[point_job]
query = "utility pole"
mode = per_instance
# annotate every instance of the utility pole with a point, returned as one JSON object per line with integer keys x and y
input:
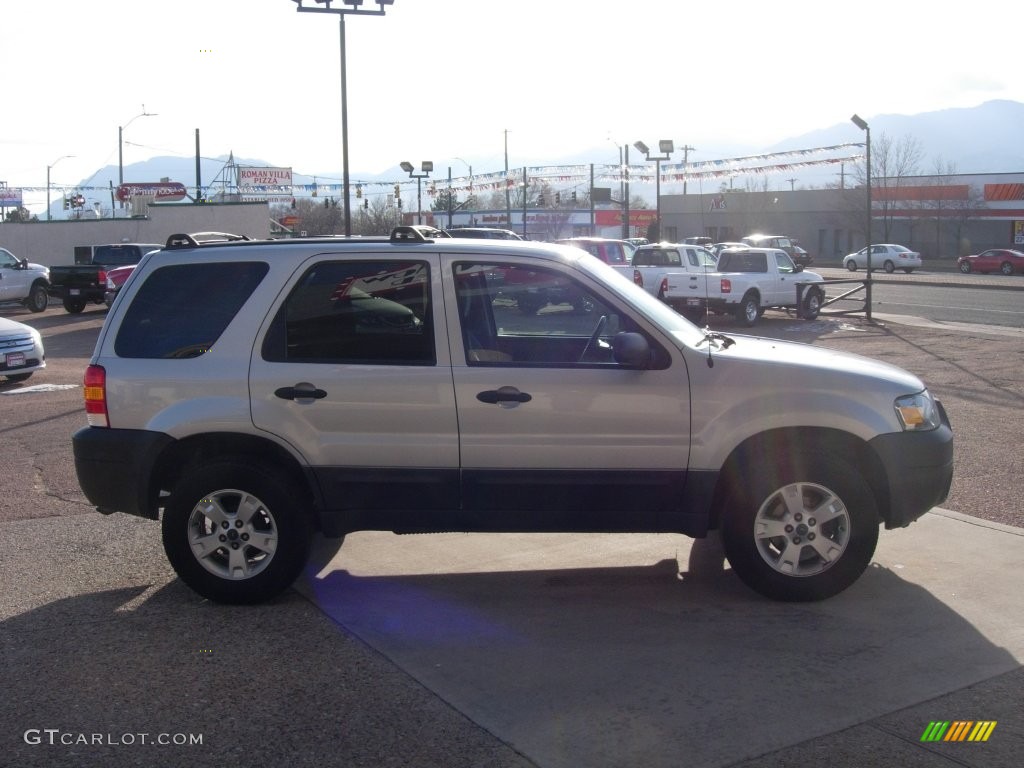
{"x": 687, "y": 149}
{"x": 792, "y": 183}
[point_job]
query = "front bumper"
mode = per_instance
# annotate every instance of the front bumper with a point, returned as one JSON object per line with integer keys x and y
{"x": 919, "y": 471}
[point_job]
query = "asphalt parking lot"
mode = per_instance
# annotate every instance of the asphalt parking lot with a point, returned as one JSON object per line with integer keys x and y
{"x": 518, "y": 650}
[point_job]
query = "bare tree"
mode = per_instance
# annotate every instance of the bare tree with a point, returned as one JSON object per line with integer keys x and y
{"x": 891, "y": 163}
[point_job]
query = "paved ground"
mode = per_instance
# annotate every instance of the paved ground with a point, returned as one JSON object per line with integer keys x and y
{"x": 458, "y": 650}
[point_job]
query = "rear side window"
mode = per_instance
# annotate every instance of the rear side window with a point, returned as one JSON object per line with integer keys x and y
{"x": 356, "y": 312}
{"x": 182, "y": 309}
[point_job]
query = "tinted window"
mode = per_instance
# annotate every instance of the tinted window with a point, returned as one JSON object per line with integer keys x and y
{"x": 181, "y": 310}
{"x": 518, "y": 316}
{"x": 742, "y": 261}
{"x": 356, "y": 312}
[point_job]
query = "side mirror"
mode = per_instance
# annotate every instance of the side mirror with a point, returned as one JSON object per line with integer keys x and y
{"x": 24, "y": 263}
{"x": 798, "y": 267}
{"x": 631, "y": 350}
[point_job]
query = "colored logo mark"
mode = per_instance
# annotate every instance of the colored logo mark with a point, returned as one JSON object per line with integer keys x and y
{"x": 958, "y": 730}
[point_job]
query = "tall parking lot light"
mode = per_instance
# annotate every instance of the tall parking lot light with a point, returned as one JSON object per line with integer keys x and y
{"x": 344, "y": 8}
{"x": 120, "y": 144}
{"x": 860, "y": 123}
{"x": 427, "y": 166}
{"x": 666, "y": 147}
{"x": 48, "y": 215}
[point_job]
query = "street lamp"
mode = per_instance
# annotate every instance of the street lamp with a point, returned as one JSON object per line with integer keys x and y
{"x": 353, "y": 8}
{"x": 49, "y": 216}
{"x": 120, "y": 142}
{"x": 427, "y": 166}
{"x": 860, "y": 123}
{"x": 666, "y": 147}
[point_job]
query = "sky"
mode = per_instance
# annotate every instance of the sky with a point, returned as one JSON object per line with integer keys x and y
{"x": 459, "y": 81}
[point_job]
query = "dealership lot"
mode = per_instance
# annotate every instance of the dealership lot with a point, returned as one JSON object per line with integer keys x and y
{"x": 550, "y": 650}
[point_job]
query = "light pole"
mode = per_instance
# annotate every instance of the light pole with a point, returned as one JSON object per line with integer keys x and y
{"x": 120, "y": 142}
{"x": 353, "y": 7}
{"x": 469, "y": 195}
{"x": 427, "y": 166}
{"x": 49, "y": 217}
{"x": 860, "y": 123}
{"x": 666, "y": 147}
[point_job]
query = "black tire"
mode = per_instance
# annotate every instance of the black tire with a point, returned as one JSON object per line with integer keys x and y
{"x": 889, "y": 267}
{"x": 1006, "y": 268}
{"x": 851, "y": 265}
{"x": 965, "y": 267}
{"x": 255, "y": 525}
{"x": 74, "y": 306}
{"x": 748, "y": 310}
{"x": 761, "y": 528}
{"x": 812, "y": 305}
{"x": 37, "y": 299}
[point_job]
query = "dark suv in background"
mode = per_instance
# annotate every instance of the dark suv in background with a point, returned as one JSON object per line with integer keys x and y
{"x": 487, "y": 233}
{"x": 783, "y": 243}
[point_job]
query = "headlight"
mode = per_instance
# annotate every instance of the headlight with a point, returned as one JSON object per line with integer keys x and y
{"x": 918, "y": 413}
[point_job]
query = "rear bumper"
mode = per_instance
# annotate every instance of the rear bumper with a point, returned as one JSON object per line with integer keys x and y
{"x": 115, "y": 468}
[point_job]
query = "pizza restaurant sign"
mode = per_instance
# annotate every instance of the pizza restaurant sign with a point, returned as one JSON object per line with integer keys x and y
{"x": 264, "y": 177}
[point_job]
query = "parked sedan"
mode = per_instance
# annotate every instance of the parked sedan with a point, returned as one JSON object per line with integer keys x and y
{"x": 21, "y": 350}
{"x": 1003, "y": 260}
{"x": 887, "y": 256}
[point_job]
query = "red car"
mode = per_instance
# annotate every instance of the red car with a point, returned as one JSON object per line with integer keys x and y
{"x": 1003, "y": 260}
{"x": 115, "y": 279}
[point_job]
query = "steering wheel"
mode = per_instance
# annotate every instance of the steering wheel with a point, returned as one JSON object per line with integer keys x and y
{"x": 592, "y": 341}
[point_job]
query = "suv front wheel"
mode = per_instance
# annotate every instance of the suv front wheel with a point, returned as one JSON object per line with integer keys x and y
{"x": 800, "y": 530}
{"x": 237, "y": 531}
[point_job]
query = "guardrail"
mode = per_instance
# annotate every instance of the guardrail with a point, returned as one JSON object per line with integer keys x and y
{"x": 848, "y": 296}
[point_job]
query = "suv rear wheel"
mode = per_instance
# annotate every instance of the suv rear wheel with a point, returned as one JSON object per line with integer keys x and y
{"x": 237, "y": 531}
{"x": 801, "y": 530}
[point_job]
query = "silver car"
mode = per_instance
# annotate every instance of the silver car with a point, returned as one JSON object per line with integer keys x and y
{"x": 887, "y": 256}
{"x": 21, "y": 350}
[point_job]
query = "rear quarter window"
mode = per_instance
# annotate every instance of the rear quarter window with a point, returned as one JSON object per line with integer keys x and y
{"x": 182, "y": 309}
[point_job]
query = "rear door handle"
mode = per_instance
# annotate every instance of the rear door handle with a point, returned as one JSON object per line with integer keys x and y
{"x": 301, "y": 391}
{"x": 503, "y": 395}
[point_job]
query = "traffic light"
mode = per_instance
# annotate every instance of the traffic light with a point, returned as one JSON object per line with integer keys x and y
{"x": 366, "y": 203}
{"x": 327, "y": 203}
{"x": 359, "y": 190}
{"x": 540, "y": 200}
{"x": 558, "y": 198}
{"x": 67, "y": 203}
{"x": 398, "y": 192}
{"x": 574, "y": 195}
{"x": 293, "y": 203}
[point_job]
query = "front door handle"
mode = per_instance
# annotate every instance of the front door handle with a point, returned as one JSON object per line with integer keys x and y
{"x": 302, "y": 391}
{"x": 503, "y": 395}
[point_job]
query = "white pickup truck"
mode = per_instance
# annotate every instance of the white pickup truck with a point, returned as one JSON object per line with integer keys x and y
{"x": 23, "y": 282}
{"x": 652, "y": 265}
{"x": 747, "y": 281}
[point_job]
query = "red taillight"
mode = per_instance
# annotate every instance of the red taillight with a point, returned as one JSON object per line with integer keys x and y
{"x": 101, "y": 276}
{"x": 638, "y": 278}
{"x": 95, "y": 386}
{"x": 726, "y": 285}
{"x": 663, "y": 288}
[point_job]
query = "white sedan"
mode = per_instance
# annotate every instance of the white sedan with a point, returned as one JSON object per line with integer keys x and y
{"x": 885, "y": 256}
{"x": 21, "y": 350}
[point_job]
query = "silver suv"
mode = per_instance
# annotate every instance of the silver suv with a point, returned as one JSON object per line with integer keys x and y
{"x": 254, "y": 393}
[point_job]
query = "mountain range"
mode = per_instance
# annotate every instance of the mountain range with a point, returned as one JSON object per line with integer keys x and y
{"x": 981, "y": 139}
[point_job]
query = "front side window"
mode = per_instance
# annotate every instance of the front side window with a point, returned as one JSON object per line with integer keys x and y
{"x": 356, "y": 312}
{"x": 784, "y": 263}
{"x": 525, "y": 316}
{"x": 182, "y": 309}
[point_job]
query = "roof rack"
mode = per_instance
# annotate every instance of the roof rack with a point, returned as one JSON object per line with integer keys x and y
{"x": 420, "y": 233}
{"x": 198, "y": 238}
